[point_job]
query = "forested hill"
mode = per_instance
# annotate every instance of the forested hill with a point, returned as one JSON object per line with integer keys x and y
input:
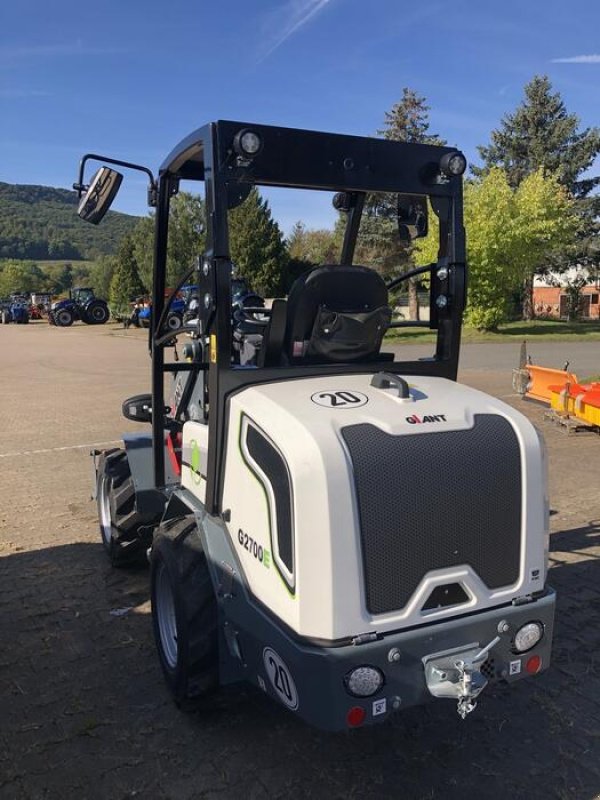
{"x": 40, "y": 222}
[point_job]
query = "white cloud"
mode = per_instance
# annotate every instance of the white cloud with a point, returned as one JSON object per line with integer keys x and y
{"x": 14, "y": 53}
{"x": 593, "y": 59}
{"x": 288, "y": 20}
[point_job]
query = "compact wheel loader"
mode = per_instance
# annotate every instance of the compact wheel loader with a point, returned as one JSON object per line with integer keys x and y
{"x": 350, "y": 532}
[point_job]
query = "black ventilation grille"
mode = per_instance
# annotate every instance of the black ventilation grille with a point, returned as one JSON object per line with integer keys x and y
{"x": 434, "y": 500}
{"x": 275, "y": 469}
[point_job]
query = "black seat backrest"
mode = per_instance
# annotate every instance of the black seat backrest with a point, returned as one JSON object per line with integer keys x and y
{"x": 336, "y": 313}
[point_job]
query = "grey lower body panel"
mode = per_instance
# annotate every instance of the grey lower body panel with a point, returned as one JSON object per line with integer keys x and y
{"x": 249, "y": 636}
{"x": 318, "y": 672}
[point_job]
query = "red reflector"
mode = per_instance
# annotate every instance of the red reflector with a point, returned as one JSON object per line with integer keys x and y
{"x": 533, "y": 665}
{"x": 356, "y": 716}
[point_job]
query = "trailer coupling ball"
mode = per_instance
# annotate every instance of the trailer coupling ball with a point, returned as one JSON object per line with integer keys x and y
{"x": 456, "y": 674}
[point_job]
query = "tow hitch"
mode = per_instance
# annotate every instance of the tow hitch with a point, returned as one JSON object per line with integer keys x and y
{"x": 457, "y": 674}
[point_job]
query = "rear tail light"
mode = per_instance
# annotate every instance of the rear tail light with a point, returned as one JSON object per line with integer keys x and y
{"x": 356, "y": 716}
{"x": 533, "y": 665}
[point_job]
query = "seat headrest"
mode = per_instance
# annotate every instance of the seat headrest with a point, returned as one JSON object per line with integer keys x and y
{"x": 341, "y": 288}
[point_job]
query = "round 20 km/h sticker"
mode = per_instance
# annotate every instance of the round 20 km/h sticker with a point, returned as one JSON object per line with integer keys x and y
{"x": 280, "y": 678}
{"x": 345, "y": 398}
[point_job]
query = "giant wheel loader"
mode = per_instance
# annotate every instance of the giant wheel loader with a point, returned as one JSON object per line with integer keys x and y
{"x": 351, "y": 532}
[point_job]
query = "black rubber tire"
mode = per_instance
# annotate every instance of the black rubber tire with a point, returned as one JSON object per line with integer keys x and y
{"x": 174, "y": 321}
{"x": 178, "y": 565}
{"x": 63, "y": 318}
{"x": 97, "y": 313}
{"x": 120, "y": 524}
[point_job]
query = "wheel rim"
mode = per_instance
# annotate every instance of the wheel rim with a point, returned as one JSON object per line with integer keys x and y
{"x": 104, "y": 507}
{"x": 173, "y": 322}
{"x": 165, "y": 615}
{"x": 63, "y": 317}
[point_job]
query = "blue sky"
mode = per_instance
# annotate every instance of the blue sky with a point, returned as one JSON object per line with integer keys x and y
{"x": 130, "y": 78}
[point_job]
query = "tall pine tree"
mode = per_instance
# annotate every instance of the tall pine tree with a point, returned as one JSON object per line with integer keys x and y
{"x": 407, "y": 121}
{"x": 540, "y": 133}
{"x": 257, "y": 246}
{"x": 125, "y": 283}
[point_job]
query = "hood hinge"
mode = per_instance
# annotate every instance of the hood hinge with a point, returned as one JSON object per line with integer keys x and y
{"x": 363, "y": 638}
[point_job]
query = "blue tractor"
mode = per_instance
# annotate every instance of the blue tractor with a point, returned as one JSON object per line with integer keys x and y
{"x": 81, "y": 304}
{"x": 15, "y": 310}
{"x": 177, "y": 312}
{"x": 174, "y": 319}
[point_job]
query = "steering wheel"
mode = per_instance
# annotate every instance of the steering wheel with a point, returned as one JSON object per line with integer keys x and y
{"x": 247, "y": 311}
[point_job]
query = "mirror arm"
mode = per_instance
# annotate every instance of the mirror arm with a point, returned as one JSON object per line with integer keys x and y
{"x": 80, "y": 186}
{"x": 410, "y": 274}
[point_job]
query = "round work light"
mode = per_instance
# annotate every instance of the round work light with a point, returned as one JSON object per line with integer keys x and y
{"x": 453, "y": 164}
{"x": 363, "y": 681}
{"x": 247, "y": 143}
{"x": 528, "y": 636}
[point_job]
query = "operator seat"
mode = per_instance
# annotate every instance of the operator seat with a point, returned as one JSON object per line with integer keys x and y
{"x": 334, "y": 313}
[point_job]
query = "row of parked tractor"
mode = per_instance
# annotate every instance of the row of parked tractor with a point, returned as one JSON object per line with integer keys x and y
{"x": 184, "y": 306}
{"x": 82, "y": 304}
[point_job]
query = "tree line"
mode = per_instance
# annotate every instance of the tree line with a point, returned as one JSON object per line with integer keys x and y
{"x": 529, "y": 207}
{"x": 39, "y": 222}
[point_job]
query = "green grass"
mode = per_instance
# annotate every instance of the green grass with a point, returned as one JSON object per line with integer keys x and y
{"x": 538, "y": 330}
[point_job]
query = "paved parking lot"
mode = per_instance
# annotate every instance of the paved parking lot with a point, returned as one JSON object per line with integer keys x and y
{"x": 83, "y": 709}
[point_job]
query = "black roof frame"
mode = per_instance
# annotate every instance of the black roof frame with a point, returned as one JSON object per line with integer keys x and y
{"x": 298, "y": 159}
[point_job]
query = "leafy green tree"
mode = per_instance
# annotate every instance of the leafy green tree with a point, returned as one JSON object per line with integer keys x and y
{"x": 491, "y": 231}
{"x": 309, "y": 248}
{"x": 312, "y": 247}
{"x": 59, "y": 277}
{"x": 508, "y": 232}
{"x": 125, "y": 283}
{"x": 19, "y": 276}
{"x": 101, "y": 274}
{"x": 257, "y": 246}
{"x": 545, "y": 223}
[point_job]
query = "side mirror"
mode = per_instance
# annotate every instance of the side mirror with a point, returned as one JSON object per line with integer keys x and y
{"x": 412, "y": 216}
{"x": 138, "y": 408}
{"x": 99, "y": 195}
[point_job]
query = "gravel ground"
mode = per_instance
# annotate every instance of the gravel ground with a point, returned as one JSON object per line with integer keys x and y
{"x": 83, "y": 709}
